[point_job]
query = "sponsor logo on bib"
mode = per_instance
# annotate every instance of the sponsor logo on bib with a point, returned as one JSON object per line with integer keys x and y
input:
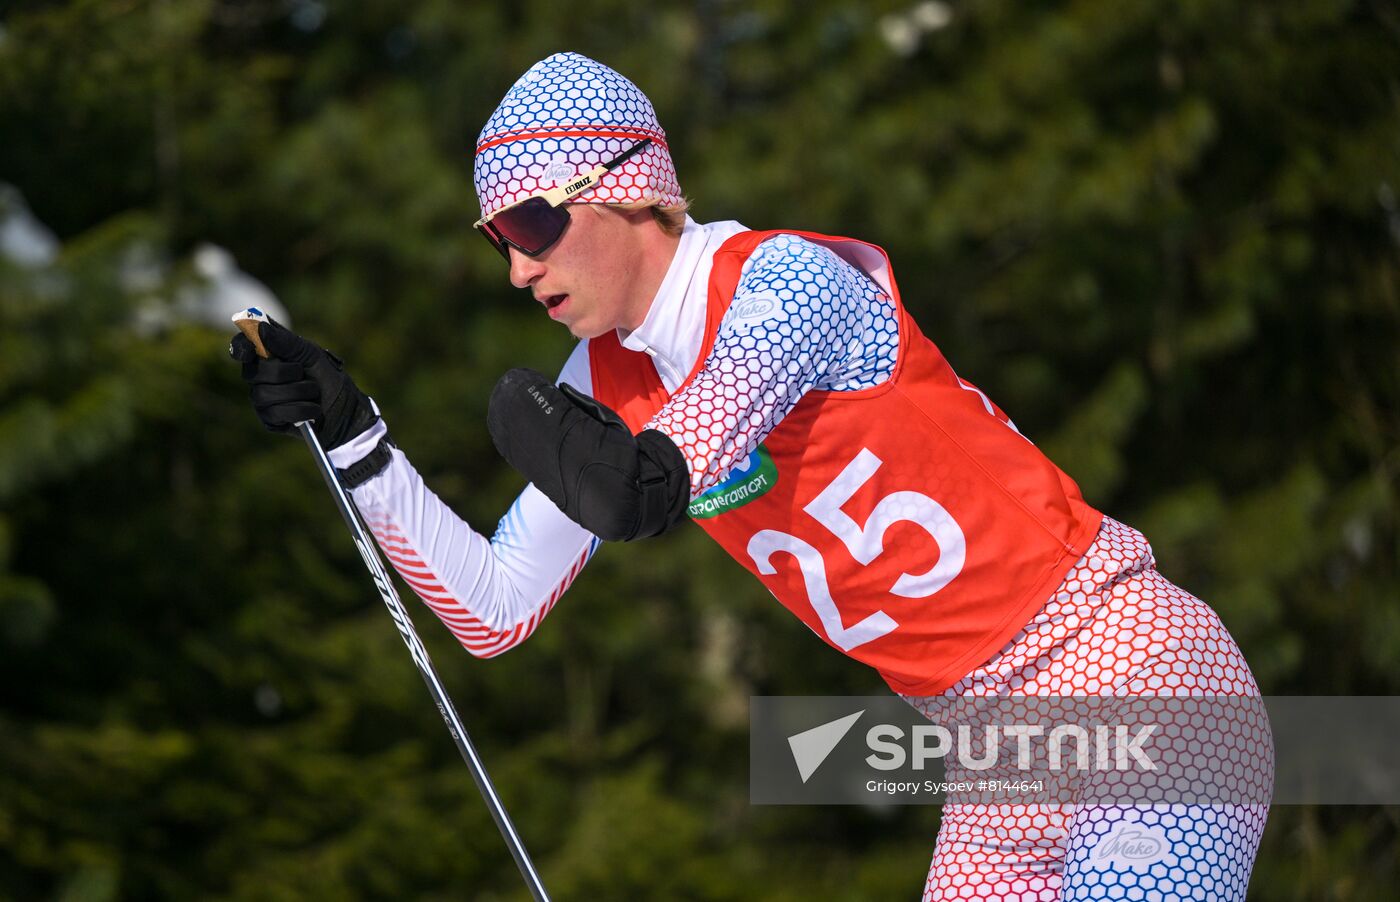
{"x": 755, "y": 477}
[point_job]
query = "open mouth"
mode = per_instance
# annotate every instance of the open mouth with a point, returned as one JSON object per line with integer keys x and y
{"x": 553, "y": 300}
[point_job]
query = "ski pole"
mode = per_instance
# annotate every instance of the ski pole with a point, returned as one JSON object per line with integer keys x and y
{"x": 247, "y": 321}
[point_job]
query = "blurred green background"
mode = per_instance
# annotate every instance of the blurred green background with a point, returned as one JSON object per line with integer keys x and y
{"x": 1164, "y": 236}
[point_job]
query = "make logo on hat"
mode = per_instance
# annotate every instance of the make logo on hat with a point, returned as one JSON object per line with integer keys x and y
{"x": 557, "y": 172}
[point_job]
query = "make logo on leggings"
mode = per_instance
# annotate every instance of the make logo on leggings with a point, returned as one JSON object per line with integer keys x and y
{"x": 1133, "y": 846}
{"x": 753, "y": 479}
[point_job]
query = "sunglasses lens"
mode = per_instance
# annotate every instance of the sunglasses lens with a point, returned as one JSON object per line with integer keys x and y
{"x": 490, "y": 235}
{"x": 531, "y": 226}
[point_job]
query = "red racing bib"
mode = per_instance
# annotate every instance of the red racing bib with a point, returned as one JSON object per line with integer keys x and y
{"x": 909, "y": 525}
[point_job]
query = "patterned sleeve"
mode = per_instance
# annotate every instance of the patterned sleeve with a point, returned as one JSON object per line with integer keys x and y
{"x": 491, "y": 594}
{"x": 801, "y": 319}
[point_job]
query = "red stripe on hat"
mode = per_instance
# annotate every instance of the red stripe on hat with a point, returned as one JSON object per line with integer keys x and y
{"x": 573, "y": 132}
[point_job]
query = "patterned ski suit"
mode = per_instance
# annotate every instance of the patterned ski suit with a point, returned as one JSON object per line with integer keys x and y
{"x": 895, "y": 510}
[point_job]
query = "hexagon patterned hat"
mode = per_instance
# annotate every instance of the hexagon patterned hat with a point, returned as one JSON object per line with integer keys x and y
{"x": 566, "y": 115}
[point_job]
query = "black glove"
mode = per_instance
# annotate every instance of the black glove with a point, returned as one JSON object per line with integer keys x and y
{"x": 300, "y": 381}
{"x": 583, "y": 457}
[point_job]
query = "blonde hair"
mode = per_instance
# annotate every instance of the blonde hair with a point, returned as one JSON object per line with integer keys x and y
{"x": 670, "y": 217}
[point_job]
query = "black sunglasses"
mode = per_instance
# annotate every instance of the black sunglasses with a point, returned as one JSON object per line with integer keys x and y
{"x": 532, "y": 225}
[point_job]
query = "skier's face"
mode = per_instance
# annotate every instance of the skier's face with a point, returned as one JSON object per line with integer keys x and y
{"x": 601, "y": 274}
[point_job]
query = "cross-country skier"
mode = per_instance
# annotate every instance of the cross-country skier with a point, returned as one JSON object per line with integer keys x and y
{"x": 773, "y": 387}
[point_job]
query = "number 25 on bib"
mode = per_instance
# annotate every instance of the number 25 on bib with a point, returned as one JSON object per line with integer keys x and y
{"x": 865, "y": 542}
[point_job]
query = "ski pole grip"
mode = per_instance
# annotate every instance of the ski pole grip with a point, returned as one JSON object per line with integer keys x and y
{"x": 247, "y": 323}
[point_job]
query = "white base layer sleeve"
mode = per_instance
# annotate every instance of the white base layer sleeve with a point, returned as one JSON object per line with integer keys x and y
{"x": 490, "y": 594}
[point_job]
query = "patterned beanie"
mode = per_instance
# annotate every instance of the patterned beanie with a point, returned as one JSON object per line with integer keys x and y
{"x": 565, "y": 116}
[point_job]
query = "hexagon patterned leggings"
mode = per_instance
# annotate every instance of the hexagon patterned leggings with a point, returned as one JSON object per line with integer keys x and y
{"x": 1115, "y": 628}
